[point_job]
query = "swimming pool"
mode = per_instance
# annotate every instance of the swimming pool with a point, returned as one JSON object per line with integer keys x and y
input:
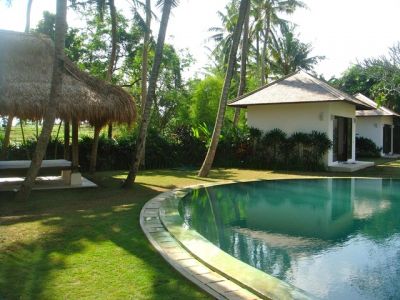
{"x": 334, "y": 238}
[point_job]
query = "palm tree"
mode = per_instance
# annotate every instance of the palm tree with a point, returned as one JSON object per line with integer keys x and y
{"x": 288, "y": 54}
{"x": 151, "y": 93}
{"x": 55, "y": 97}
{"x": 109, "y": 74}
{"x": 145, "y": 54}
{"x": 243, "y": 65}
{"x": 205, "y": 169}
{"x": 266, "y": 17}
{"x": 222, "y": 35}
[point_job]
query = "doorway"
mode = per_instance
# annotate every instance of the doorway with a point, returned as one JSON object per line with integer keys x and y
{"x": 342, "y": 138}
{"x": 387, "y": 139}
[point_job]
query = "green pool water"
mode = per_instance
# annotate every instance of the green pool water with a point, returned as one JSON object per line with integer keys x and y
{"x": 334, "y": 238}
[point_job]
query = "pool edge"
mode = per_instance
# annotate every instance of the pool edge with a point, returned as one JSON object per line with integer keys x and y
{"x": 166, "y": 236}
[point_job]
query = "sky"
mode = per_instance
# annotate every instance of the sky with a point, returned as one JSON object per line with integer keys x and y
{"x": 343, "y": 31}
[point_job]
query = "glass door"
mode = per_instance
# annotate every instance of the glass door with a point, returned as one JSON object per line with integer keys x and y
{"x": 342, "y": 138}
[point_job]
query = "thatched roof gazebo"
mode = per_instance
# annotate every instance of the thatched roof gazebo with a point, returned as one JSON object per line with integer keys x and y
{"x": 26, "y": 63}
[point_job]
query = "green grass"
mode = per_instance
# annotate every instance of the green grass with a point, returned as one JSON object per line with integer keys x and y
{"x": 86, "y": 244}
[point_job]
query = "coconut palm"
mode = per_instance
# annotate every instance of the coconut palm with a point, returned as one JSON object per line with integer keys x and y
{"x": 151, "y": 93}
{"x": 55, "y": 95}
{"x": 243, "y": 9}
{"x": 243, "y": 66}
{"x": 288, "y": 54}
{"x": 109, "y": 74}
{"x": 266, "y": 17}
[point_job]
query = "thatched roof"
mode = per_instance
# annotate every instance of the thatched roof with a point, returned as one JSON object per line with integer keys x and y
{"x": 299, "y": 87}
{"x": 26, "y": 62}
{"x": 378, "y": 111}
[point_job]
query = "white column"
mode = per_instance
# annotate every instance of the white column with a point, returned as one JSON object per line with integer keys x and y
{"x": 353, "y": 142}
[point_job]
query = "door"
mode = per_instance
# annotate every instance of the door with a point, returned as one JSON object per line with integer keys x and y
{"x": 387, "y": 139}
{"x": 342, "y": 138}
{"x": 396, "y": 139}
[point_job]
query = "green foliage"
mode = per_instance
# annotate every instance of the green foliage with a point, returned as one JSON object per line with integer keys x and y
{"x": 205, "y": 99}
{"x": 366, "y": 148}
{"x": 377, "y": 78}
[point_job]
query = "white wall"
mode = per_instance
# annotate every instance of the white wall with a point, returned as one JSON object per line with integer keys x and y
{"x": 372, "y": 128}
{"x": 301, "y": 117}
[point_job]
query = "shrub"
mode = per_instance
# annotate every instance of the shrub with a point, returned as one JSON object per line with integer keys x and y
{"x": 366, "y": 148}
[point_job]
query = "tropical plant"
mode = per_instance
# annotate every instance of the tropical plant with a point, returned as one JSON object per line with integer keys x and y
{"x": 243, "y": 9}
{"x": 138, "y": 154}
{"x": 289, "y": 54}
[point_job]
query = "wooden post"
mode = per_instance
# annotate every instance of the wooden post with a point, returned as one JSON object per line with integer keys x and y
{"x": 75, "y": 147}
{"x": 6, "y": 141}
{"x": 93, "y": 155}
{"x": 67, "y": 155}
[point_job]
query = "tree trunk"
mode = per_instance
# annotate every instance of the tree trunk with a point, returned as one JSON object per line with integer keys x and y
{"x": 28, "y": 16}
{"x": 93, "y": 155}
{"x": 130, "y": 179}
{"x": 113, "y": 54}
{"x": 6, "y": 140}
{"x": 75, "y": 145}
{"x": 264, "y": 50}
{"x": 67, "y": 155}
{"x": 55, "y": 96}
{"x": 243, "y": 66}
{"x": 208, "y": 161}
{"x": 145, "y": 55}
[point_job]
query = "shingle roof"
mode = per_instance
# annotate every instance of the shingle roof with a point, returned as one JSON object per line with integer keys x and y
{"x": 378, "y": 111}
{"x": 299, "y": 87}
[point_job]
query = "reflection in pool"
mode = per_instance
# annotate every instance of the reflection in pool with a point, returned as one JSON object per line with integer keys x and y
{"x": 334, "y": 238}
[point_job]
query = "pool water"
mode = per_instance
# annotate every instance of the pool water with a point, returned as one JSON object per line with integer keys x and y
{"x": 334, "y": 238}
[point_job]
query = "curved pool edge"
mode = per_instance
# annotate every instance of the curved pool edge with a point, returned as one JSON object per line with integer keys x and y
{"x": 215, "y": 271}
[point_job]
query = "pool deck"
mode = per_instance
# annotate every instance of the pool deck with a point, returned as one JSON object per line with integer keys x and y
{"x": 216, "y": 272}
{"x": 350, "y": 166}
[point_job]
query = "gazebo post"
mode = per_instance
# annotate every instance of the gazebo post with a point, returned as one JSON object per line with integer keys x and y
{"x": 76, "y": 177}
{"x": 93, "y": 155}
{"x": 67, "y": 155}
{"x": 6, "y": 141}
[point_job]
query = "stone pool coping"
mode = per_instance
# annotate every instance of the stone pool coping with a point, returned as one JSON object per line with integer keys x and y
{"x": 213, "y": 270}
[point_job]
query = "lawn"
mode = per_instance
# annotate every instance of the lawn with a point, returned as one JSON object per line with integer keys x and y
{"x": 85, "y": 244}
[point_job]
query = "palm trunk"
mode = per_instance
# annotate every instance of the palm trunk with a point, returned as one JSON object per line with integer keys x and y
{"x": 111, "y": 62}
{"x": 55, "y": 97}
{"x": 28, "y": 16}
{"x": 130, "y": 179}
{"x": 145, "y": 55}
{"x": 208, "y": 161}
{"x": 67, "y": 155}
{"x": 243, "y": 66}
{"x": 6, "y": 141}
{"x": 264, "y": 50}
{"x": 93, "y": 155}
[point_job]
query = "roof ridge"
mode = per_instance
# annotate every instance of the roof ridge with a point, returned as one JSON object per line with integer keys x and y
{"x": 262, "y": 87}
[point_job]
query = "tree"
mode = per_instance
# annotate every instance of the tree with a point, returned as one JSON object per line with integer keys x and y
{"x": 145, "y": 54}
{"x": 266, "y": 18}
{"x": 243, "y": 66}
{"x": 130, "y": 179}
{"x": 55, "y": 96}
{"x": 110, "y": 70}
{"x": 205, "y": 169}
{"x": 289, "y": 54}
